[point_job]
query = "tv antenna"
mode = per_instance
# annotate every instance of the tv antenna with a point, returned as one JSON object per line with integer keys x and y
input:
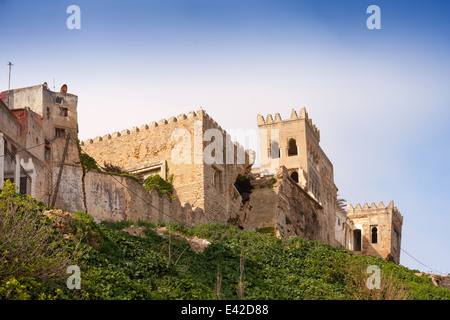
{"x": 9, "y": 79}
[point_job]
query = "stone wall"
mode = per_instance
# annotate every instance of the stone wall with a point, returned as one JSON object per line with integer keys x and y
{"x": 113, "y": 198}
{"x": 142, "y": 147}
{"x": 116, "y": 198}
{"x": 307, "y": 161}
{"x": 281, "y": 203}
{"x": 203, "y": 184}
{"x": 388, "y": 223}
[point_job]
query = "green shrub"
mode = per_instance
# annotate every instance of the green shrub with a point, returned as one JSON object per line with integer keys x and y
{"x": 32, "y": 252}
{"x": 122, "y": 266}
{"x": 159, "y": 184}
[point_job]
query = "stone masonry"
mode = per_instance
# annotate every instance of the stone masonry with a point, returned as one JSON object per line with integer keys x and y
{"x": 292, "y": 193}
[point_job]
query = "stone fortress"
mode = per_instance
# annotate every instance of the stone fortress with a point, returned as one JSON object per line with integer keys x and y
{"x": 292, "y": 193}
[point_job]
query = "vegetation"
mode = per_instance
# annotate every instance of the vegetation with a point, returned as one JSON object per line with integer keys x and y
{"x": 118, "y": 171}
{"x": 33, "y": 256}
{"x": 159, "y": 184}
{"x": 87, "y": 162}
{"x": 237, "y": 264}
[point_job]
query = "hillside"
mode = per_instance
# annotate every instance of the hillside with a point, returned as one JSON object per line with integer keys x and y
{"x": 37, "y": 248}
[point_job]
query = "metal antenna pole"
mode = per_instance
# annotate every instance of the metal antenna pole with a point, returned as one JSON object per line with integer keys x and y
{"x": 9, "y": 80}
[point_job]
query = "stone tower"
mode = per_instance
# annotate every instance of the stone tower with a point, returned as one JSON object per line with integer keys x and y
{"x": 377, "y": 230}
{"x": 294, "y": 143}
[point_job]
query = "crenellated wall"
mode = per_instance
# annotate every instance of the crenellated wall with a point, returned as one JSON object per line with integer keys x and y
{"x": 302, "y": 116}
{"x": 388, "y": 223}
{"x": 298, "y": 141}
{"x": 206, "y": 185}
{"x": 152, "y": 143}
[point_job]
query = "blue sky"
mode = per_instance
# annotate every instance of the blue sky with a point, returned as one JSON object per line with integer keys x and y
{"x": 380, "y": 97}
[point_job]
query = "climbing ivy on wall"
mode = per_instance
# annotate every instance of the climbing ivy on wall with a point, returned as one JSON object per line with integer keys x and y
{"x": 86, "y": 161}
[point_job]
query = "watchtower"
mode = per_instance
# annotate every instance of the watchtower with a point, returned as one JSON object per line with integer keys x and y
{"x": 294, "y": 143}
{"x": 377, "y": 230}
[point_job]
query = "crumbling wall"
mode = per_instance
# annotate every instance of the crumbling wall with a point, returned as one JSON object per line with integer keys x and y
{"x": 222, "y": 200}
{"x": 280, "y": 203}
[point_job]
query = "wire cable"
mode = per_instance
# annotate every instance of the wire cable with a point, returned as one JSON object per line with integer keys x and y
{"x": 429, "y": 268}
{"x": 35, "y": 146}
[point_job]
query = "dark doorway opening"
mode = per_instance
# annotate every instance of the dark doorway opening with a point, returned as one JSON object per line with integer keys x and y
{"x": 294, "y": 176}
{"x": 357, "y": 240}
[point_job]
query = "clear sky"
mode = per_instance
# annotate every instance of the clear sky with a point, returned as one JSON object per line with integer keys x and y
{"x": 379, "y": 97}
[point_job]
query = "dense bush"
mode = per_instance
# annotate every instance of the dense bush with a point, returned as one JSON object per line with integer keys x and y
{"x": 237, "y": 263}
{"x": 33, "y": 256}
{"x": 159, "y": 184}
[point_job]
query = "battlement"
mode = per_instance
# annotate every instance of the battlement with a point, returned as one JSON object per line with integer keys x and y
{"x": 200, "y": 115}
{"x": 303, "y": 115}
{"x": 373, "y": 209}
{"x": 152, "y": 125}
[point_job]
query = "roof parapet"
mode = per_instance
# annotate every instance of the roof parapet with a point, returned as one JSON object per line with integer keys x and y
{"x": 277, "y": 119}
{"x": 143, "y": 127}
{"x": 373, "y": 208}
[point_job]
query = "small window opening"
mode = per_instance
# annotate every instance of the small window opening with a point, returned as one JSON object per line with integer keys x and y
{"x": 374, "y": 235}
{"x": 60, "y": 133}
{"x": 63, "y": 112}
{"x": 292, "y": 148}
{"x": 59, "y": 100}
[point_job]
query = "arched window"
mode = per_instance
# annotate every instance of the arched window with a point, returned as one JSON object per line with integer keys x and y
{"x": 374, "y": 235}
{"x": 292, "y": 148}
{"x": 294, "y": 176}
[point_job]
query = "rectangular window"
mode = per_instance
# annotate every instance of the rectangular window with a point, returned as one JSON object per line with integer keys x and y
{"x": 60, "y": 133}
{"x": 63, "y": 112}
{"x": 23, "y": 185}
{"x": 59, "y": 100}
